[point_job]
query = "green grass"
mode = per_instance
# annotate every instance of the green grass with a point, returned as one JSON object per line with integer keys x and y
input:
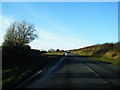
{"x": 55, "y": 53}
{"x": 7, "y": 79}
{"x": 6, "y": 71}
{"x": 10, "y": 74}
{"x": 108, "y": 60}
{"x": 85, "y": 53}
{"x": 14, "y": 74}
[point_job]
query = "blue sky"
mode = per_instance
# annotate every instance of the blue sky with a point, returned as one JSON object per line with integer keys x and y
{"x": 65, "y": 25}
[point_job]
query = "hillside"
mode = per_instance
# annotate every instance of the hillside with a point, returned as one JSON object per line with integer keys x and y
{"x": 108, "y": 51}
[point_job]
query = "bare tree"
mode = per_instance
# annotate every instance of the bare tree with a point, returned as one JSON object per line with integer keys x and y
{"x": 19, "y": 34}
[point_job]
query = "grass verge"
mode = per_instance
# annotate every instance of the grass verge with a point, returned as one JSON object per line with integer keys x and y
{"x": 13, "y": 74}
{"x": 56, "y": 53}
{"x": 107, "y": 60}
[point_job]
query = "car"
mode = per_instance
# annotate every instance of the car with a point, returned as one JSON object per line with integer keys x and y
{"x": 67, "y": 53}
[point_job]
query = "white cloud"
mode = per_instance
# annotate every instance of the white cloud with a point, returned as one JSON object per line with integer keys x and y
{"x": 48, "y": 40}
{"x": 4, "y": 24}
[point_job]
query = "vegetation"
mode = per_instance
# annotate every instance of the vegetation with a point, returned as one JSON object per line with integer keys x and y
{"x": 51, "y": 50}
{"x": 15, "y": 73}
{"x": 55, "y": 53}
{"x": 108, "y": 52}
{"x": 107, "y": 60}
{"x": 19, "y": 61}
{"x": 18, "y": 35}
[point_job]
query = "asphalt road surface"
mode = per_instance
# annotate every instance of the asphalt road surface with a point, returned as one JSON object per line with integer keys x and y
{"x": 78, "y": 72}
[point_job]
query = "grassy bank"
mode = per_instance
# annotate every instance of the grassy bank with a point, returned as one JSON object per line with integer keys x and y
{"x": 55, "y": 53}
{"x": 107, "y": 60}
{"x": 16, "y": 72}
{"x": 108, "y": 52}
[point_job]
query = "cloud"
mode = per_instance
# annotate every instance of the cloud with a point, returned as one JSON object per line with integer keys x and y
{"x": 48, "y": 40}
{"x": 4, "y": 24}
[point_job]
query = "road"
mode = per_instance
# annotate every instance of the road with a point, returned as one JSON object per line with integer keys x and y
{"x": 78, "y": 72}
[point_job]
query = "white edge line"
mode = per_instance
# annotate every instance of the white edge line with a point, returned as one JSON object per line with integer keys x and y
{"x": 36, "y": 74}
{"x": 29, "y": 78}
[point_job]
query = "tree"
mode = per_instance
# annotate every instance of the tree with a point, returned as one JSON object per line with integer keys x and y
{"x": 19, "y": 34}
{"x": 57, "y": 50}
{"x": 51, "y": 50}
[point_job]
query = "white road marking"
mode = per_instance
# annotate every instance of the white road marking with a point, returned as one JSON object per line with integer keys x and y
{"x": 47, "y": 74}
{"x": 92, "y": 71}
{"x": 29, "y": 79}
{"x": 105, "y": 81}
{"x": 40, "y": 72}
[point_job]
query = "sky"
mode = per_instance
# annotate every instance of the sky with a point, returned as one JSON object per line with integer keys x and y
{"x": 64, "y": 25}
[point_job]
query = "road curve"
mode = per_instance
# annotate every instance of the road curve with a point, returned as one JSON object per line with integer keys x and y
{"x": 78, "y": 72}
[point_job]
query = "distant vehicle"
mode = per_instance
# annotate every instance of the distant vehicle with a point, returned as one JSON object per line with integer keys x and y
{"x": 67, "y": 53}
